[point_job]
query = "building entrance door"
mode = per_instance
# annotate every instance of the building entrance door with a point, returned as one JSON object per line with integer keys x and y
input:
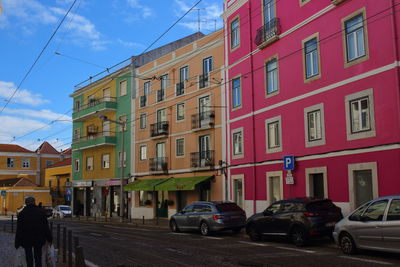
{"x": 362, "y": 186}
{"x": 162, "y": 204}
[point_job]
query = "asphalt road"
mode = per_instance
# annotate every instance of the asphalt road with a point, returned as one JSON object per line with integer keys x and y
{"x": 117, "y": 245}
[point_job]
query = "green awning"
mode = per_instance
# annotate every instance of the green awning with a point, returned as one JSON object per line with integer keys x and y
{"x": 143, "y": 185}
{"x": 181, "y": 183}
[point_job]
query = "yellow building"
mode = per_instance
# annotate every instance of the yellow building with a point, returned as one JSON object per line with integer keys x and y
{"x": 178, "y": 130}
{"x": 58, "y": 178}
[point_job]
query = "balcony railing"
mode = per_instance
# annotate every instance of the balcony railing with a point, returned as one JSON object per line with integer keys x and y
{"x": 143, "y": 101}
{"x": 94, "y": 139}
{"x": 203, "y": 120}
{"x": 180, "y": 88}
{"x": 159, "y": 128}
{"x": 267, "y": 33}
{"x": 202, "y": 159}
{"x": 159, "y": 164}
{"x": 95, "y": 108}
{"x": 204, "y": 81}
{"x": 95, "y": 102}
{"x": 160, "y": 95}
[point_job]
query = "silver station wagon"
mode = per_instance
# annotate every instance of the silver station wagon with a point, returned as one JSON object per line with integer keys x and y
{"x": 374, "y": 226}
{"x": 209, "y": 216}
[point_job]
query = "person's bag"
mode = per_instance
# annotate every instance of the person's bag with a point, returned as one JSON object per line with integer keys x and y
{"x": 51, "y": 258}
{"x": 20, "y": 260}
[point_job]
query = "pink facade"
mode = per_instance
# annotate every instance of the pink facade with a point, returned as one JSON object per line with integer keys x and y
{"x": 341, "y": 123}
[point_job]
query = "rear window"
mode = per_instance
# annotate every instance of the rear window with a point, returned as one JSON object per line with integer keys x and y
{"x": 228, "y": 207}
{"x": 65, "y": 208}
{"x": 321, "y": 205}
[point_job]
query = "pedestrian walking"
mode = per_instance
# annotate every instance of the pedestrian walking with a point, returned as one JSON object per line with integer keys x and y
{"x": 32, "y": 232}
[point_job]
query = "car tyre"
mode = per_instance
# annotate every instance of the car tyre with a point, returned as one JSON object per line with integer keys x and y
{"x": 299, "y": 236}
{"x": 173, "y": 226}
{"x": 346, "y": 244}
{"x": 252, "y": 233}
{"x": 204, "y": 229}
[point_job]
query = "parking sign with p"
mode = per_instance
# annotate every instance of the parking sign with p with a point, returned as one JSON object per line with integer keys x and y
{"x": 288, "y": 163}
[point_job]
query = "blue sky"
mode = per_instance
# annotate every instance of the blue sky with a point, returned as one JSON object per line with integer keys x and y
{"x": 102, "y": 33}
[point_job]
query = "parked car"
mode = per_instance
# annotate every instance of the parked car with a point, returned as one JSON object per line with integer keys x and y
{"x": 375, "y": 225}
{"x": 209, "y": 216}
{"x": 62, "y": 211}
{"x": 299, "y": 218}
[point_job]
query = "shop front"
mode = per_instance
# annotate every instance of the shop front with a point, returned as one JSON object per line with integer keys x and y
{"x": 82, "y": 197}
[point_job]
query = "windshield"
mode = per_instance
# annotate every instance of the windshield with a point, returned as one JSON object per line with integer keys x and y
{"x": 65, "y": 208}
{"x": 321, "y": 205}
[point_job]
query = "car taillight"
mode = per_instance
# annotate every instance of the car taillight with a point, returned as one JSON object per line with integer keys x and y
{"x": 217, "y": 217}
{"x": 310, "y": 214}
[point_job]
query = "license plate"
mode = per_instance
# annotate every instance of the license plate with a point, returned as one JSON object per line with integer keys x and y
{"x": 329, "y": 224}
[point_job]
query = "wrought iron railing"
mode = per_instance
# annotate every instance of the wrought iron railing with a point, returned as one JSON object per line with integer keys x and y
{"x": 202, "y": 159}
{"x": 203, "y": 120}
{"x": 267, "y": 32}
{"x": 160, "y": 95}
{"x": 180, "y": 88}
{"x": 92, "y": 135}
{"x": 95, "y": 102}
{"x": 158, "y": 164}
{"x": 204, "y": 81}
{"x": 159, "y": 128}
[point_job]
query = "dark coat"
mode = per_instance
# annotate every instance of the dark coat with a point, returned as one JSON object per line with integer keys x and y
{"x": 32, "y": 227}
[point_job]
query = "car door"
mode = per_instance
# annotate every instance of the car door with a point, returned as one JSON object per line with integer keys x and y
{"x": 284, "y": 218}
{"x": 391, "y": 227}
{"x": 182, "y": 220}
{"x": 267, "y": 223}
{"x": 369, "y": 230}
{"x": 194, "y": 217}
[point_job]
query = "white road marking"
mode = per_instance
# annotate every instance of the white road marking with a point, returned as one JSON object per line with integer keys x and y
{"x": 254, "y": 244}
{"x": 366, "y": 260}
{"x": 127, "y": 228}
{"x": 212, "y": 237}
{"x": 178, "y": 234}
{"x": 297, "y": 249}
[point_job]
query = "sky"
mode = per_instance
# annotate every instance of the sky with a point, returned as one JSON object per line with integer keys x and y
{"x": 94, "y": 36}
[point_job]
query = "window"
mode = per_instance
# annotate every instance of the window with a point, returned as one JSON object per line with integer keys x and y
{"x": 394, "y": 211}
{"x": 164, "y": 81}
{"x": 122, "y": 118}
{"x": 363, "y": 183}
{"x": 77, "y": 105}
{"x": 146, "y": 88}
{"x": 77, "y": 134}
{"x": 184, "y": 74}
{"x": 375, "y": 211}
{"x": 356, "y": 216}
{"x": 272, "y": 76}
{"x": 49, "y": 163}
{"x": 122, "y": 88}
{"x": 143, "y": 121}
{"x": 207, "y": 65}
{"x": 91, "y": 101}
{"x": 180, "y": 147}
{"x": 76, "y": 165}
{"x": 274, "y": 185}
{"x": 269, "y": 12}
{"x": 235, "y": 37}
{"x": 316, "y": 182}
{"x": 314, "y": 125}
{"x": 236, "y": 93}
{"x": 10, "y": 162}
{"x": 26, "y": 163}
{"x": 238, "y": 192}
{"x": 143, "y": 152}
{"x": 360, "y": 120}
{"x": 355, "y": 39}
{"x": 274, "y": 208}
{"x": 311, "y": 58}
{"x": 120, "y": 158}
{"x": 237, "y": 141}
{"x": 273, "y": 135}
{"x": 89, "y": 163}
{"x": 180, "y": 111}
{"x": 145, "y": 198}
{"x": 105, "y": 161}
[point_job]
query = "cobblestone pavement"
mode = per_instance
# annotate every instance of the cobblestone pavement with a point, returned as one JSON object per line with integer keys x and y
{"x": 7, "y": 249}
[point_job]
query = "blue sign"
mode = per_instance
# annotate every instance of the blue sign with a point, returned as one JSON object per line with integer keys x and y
{"x": 288, "y": 163}
{"x": 3, "y": 193}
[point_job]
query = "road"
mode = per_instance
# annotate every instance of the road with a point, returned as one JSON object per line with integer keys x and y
{"x": 117, "y": 245}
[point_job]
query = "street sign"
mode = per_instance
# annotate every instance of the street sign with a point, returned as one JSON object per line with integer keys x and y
{"x": 3, "y": 193}
{"x": 289, "y": 178}
{"x": 288, "y": 163}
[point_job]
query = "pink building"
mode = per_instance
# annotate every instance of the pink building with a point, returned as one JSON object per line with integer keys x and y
{"x": 317, "y": 80}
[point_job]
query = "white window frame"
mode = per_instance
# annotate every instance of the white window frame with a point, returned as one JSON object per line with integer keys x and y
{"x": 272, "y": 74}
{"x": 183, "y": 147}
{"x": 122, "y": 118}
{"x": 236, "y": 93}
{"x": 359, "y": 167}
{"x": 10, "y": 162}
{"x": 241, "y": 145}
{"x": 307, "y": 111}
{"x": 143, "y": 121}
{"x": 123, "y": 87}
{"x": 178, "y": 119}
{"x": 364, "y": 133}
{"x": 143, "y": 152}
{"x": 235, "y": 33}
{"x": 268, "y": 191}
{"x": 77, "y": 134}
{"x": 312, "y": 57}
{"x": 309, "y": 183}
{"x": 26, "y": 163}
{"x": 119, "y": 159}
{"x": 105, "y": 161}
{"x": 278, "y": 148}
{"x": 90, "y": 163}
{"x": 234, "y": 196}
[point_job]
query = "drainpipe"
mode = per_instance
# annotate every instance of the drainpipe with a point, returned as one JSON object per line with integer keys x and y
{"x": 252, "y": 109}
{"x": 396, "y": 53}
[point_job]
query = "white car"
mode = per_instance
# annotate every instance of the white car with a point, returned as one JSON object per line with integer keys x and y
{"x": 62, "y": 211}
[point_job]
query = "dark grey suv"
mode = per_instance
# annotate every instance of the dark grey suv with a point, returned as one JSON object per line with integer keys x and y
{"x": 209, "y": 217}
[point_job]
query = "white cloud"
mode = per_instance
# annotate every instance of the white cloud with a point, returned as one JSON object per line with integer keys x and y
{"x": 145, "y": 10}
{"x": 18, "y": 126}
{"x": 41, "y": 114}
{"x": 22, "y": 96}
{"x": 129, "y": 44}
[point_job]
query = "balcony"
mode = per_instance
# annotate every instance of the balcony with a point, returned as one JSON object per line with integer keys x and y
{"x": 159, "y": 164}
{"x": 143, "y": 101}
{"x": 202, "y": 159}
{"x": 159, "y": 129}
{"x": 94, "y": 108}
{"x": 268, "y": 33}
{"x": 203, "y": 120}
{"x": 204, "y": 81}
{"x": 160, "y": 95}
{"x": 94, "y": 140}
{"x": 180, "y": 88}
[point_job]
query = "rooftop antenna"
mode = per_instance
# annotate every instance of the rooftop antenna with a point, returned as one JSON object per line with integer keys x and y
{"x": 198, "y": 17}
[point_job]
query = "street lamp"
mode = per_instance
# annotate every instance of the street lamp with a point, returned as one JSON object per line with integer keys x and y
{"x": 121, "y": 198}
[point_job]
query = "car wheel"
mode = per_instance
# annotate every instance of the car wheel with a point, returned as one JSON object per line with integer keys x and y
{"x": 173, "y": 226}
{"x": 299, "y": 236}
{"x": 252, "y": 233}
{"x": 204, "y": 229}
{"x": 237, "y": 230}
{"x": 347, "y": 244}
